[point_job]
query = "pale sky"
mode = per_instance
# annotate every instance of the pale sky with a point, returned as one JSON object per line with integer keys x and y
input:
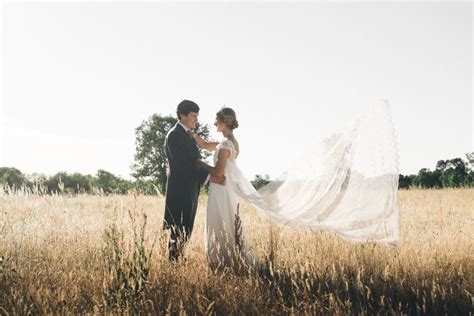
{"x": 78, "y": 78}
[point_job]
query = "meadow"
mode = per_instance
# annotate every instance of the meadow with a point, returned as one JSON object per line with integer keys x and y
{"x": 107, "y": 254}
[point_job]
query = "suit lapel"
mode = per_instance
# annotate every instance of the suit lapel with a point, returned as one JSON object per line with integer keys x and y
{"x": 180, "y": 128}
{"x": 190, "y": 141}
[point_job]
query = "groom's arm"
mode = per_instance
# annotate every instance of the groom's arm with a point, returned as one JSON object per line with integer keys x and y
{"x": 219, "y": 179}
{"x": 203, "y": 176}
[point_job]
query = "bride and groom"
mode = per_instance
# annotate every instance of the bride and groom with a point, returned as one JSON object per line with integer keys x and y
{"x": 186, "y": 174}
{"x": 348, "y": 184}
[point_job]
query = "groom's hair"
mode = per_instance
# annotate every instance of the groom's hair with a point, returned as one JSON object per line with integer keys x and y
{"x": 185, "y": 107}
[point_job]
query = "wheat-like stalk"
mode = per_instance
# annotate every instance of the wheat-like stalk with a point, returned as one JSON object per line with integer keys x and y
{"x": 63, "y": 254}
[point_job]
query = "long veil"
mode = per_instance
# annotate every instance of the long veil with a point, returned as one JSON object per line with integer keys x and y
{"x": 348, "y": 185}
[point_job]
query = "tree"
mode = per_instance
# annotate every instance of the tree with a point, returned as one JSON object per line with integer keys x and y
{"x": 469, "y": 179}
{"x": 38, "y": 183}
{"x": 56, "y": 182}
{"x": 453, "y": 172}
{"x": 405, "y": 182}
{"x": 470, "y": 160}
{"x": 68, "y": 183}
{"x": 106, "y": 181}
{"x": 144, "y": 187}
{"x": 150, "y": 158}
{"x": 428, "y": 179}
{"x": 12, "y": 177}
{"x": 110, "y": 183}
{"x": 80, "y": 183}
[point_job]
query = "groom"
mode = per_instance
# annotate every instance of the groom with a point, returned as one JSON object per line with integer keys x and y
{"x": 184, "y": 178}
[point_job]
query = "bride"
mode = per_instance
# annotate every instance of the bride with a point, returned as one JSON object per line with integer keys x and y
{"x": 348, "y": 184}
{"x": 223, "y": 244}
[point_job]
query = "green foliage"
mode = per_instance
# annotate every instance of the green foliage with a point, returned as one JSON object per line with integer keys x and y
{"x": 104, "y": 182}
{"x": 109, "y": 183}
{"x": 428, "y": 179}
{"x": 404, "y": 182}
{"x": 469, "y": 179}
{"x": 69, "y": 183}
{"x": 62, "y": 182}
{"x": 150, "y": 158}
{"x": 453, "y": 172}
{"x": 76, "y": 183}
{"x": 260, "y": 181}
{"x": 450, "y": 173}
{"x": 12, "y": 177}
{"x": 470, "y": 160}
{"x": 144, "y": 187}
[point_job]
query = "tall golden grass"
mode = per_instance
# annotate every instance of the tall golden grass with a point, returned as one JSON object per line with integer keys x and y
{"x": 100, "y": 254}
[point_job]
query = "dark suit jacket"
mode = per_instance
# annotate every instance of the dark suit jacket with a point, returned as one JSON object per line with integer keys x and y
{"x": 184, "y": 178}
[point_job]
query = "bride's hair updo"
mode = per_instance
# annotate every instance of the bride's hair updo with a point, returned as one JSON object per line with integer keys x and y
{"x": 227, "y": 116}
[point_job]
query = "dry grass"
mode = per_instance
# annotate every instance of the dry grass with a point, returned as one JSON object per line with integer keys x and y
{"x": 66, "y": 255}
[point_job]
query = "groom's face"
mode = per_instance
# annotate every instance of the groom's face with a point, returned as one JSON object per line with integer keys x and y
{"x": 190, "y": 120}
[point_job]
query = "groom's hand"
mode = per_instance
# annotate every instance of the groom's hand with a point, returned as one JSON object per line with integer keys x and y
{"x": 218, "y": 180}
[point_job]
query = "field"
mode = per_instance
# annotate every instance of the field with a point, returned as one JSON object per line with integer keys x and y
{"x": 101, "y": 254}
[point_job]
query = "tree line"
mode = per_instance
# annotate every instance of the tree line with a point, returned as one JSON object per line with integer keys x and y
{"x": 450, "y": 173}
{"x": 150, "y": 161}
{"x": 103, "y": 182}
{"x": 149, "y": 169}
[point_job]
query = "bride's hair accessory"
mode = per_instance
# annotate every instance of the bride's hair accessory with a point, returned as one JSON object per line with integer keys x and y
{"x": 228, "y": 117}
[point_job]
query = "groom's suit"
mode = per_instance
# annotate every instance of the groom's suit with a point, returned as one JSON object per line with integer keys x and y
{"x": 182, "y": 187}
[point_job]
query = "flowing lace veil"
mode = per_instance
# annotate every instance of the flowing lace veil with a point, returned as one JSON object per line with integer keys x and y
{"x": 347, "y": 185}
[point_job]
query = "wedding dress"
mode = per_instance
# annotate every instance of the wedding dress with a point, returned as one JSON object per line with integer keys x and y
{"x": 221, "y": 237}
{"x": 347, "y": 185}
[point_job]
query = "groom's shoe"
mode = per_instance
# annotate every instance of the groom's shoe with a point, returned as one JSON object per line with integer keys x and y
{"x": 172, "y": 257}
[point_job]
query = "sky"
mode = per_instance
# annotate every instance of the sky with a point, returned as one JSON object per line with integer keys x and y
{"x": 78, "y": 78}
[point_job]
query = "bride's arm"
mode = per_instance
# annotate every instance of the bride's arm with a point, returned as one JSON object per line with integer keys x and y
{"x": 219, "y": 169}
{"x": 211, "y": 146}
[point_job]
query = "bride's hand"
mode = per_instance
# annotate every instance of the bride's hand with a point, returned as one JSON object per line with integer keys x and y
{"x": 211, "y": 146}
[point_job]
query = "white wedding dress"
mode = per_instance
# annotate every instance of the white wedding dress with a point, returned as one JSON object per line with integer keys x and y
{"x": 220, "y": 228}
{"x": 348, "y": 184}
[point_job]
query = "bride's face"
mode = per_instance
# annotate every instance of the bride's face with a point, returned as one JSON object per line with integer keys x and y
{"x": 219, "y": 125}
